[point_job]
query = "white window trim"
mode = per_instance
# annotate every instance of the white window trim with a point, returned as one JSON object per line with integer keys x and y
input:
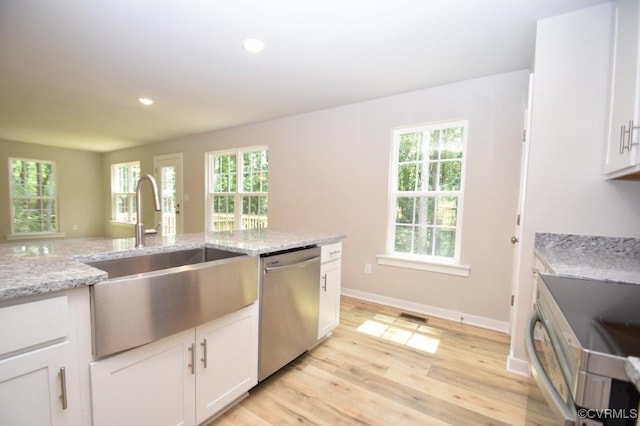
{"x": 33, "y": 235}
{"x": 450, "y": 266}
{"x": 458, "y": 269}
{"x": 132, "y": 206}
{"x": 238, "y": 194}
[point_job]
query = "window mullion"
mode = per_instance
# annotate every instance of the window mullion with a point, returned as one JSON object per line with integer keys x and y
{"x": 239, "y": 189}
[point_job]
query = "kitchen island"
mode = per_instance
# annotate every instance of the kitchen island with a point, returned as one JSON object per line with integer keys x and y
{"x": 40, "y": 267}
{"x": 51, "y": 374}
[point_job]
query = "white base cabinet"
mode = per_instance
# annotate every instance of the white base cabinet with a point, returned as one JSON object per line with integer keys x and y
{"x": 31, "y": 388}
{"x": 183, "y": 379}
{"x": 39, "y": 368}
{"x": 150, "y": 385}
{"x": 228, "y": 365}
{"x": 330, "y": 285}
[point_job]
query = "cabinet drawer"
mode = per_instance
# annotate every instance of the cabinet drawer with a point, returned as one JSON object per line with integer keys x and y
{"x": 33, "y": 323}
{"x": 331, "y": 252}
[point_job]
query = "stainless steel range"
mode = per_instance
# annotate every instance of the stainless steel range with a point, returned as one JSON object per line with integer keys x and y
{"x": 578, "y": 341}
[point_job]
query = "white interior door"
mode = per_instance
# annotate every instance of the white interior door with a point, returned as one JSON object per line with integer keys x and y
{"x": 168, "y": 171}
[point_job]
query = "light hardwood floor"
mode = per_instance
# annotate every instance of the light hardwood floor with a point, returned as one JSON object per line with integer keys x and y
{"x": 381, "y": 368}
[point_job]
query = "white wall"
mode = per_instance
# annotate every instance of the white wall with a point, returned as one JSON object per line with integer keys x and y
{"x": 329, "y": 172}
{"x": 566, "y": 191}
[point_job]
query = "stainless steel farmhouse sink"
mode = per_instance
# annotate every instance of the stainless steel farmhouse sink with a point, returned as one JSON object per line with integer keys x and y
{"x": 120, "y": 267}
{"x": 152, "y": 296}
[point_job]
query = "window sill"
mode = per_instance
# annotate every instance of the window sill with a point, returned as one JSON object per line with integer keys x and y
{"x": 35, "y": 236}
{"x": 123, "y": 224}
{"x": 424, "y": 265}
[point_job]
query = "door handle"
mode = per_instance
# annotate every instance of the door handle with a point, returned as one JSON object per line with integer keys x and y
{"x": 514, "y": 240}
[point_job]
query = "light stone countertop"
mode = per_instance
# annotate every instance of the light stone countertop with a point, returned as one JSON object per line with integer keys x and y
{"x": 39, "y": 267}
{"x": 633, "y": 370}
{"x": 591, "y": 257}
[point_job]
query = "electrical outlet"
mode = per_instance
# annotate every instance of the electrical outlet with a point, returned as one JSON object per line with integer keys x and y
{"x": 367, "y": 268}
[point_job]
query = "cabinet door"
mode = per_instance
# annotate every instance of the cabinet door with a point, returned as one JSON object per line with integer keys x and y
{"x": 624, "y": 89}
{"x": 329, "y": 312}
{"x": 227, "y": 360}
{"x": 150, "y": 385}
{"x": 31, "y": 388}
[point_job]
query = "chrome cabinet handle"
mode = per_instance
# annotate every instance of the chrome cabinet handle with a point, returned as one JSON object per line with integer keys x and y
{"x": 335, "y": 252}
{"x": 324, "y": 286}
{"x": 629, "y": 134}
{"x": 192, "y": 365}
{"x": 204, "y": 353}
{"x": 63, "y": 386}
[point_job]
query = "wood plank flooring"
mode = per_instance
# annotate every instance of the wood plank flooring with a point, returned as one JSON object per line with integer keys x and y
{"x": 380, "y": 368}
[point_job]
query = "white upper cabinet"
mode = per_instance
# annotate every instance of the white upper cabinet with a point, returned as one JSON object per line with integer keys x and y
{"x": 622, "y": 156}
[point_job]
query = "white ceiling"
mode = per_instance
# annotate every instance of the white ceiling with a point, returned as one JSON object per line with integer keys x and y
{"x": 71, "y": 71}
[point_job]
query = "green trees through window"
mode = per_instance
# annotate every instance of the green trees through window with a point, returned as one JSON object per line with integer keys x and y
{"x": 426, "y": 190}
{"x": 238, "y": 187}
{"x": 33, "y": 196}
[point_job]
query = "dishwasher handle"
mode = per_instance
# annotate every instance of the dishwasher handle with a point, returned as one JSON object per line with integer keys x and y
{"x": 292, "y": 265}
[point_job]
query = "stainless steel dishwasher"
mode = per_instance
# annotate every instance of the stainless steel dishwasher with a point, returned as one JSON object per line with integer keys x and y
{"x": 289, "y": 299}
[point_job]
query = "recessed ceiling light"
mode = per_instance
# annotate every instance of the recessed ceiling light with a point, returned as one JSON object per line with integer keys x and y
{"x": 253, "y": 45}
{"x": 145, "y": 101}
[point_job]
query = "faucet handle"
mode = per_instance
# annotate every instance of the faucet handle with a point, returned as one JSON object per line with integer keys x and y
{"x": 153, "y": 231}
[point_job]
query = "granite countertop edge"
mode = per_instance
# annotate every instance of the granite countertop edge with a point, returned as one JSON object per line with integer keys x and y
{"x": 35, "y": 268}
{"x": 590, "y": 257}
{"x": 633, "y": 370}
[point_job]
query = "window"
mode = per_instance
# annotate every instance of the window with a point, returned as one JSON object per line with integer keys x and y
{"x": 124, "y": 178}
{"x": 426, "y": 193}
{"x": 237, "y": 189}
{"x": 33, "y": 196}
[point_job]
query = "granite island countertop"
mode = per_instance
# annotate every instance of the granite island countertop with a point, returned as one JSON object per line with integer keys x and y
{"x": 39, "y": 267}
{"x": 591, "y": 257}
{"x": 633, "y": 370}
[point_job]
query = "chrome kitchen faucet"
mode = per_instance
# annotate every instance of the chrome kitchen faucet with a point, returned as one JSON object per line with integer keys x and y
{"x": 140, "y": 231}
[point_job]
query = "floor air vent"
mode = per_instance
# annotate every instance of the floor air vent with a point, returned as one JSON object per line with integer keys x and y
{"x": 411, "y": 317}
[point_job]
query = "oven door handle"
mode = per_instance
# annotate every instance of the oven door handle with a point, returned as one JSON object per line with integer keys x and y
{"x": 566, "y": 412}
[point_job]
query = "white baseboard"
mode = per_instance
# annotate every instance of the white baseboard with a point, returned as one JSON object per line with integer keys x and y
{"x": 475, "y": 320}
{"x": 518, "y": 366}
